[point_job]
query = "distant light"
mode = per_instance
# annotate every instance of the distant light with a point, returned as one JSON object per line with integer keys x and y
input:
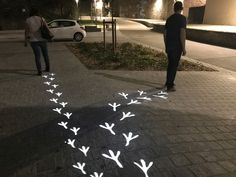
{"x": 158, "y": 5}
{"x": 77, "y": 2}
{"x": 99, "y": 4}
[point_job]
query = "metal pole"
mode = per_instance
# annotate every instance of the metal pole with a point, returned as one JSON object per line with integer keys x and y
{"x": 104, "y": 35}
{"x": 115, "y": 34}
{"x": 112, "y": 22}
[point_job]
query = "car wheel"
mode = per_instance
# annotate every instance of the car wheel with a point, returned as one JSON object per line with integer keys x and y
{"x": 78, "y": 37}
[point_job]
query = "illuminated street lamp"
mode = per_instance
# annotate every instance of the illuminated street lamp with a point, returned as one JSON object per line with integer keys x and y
{"x": 99, "y": 6}
{"x": 77, "y": 3}
{"x": 158, "y": 5}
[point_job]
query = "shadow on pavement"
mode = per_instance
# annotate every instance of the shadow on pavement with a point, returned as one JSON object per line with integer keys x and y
{"x": 37, "y": 143}
{"x": 131, "y": 80}
{"x": 18, "y": 71}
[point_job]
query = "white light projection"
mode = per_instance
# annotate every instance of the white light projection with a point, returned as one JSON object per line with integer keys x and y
{"x": 84, "y": 150}
{"x": 58, "y": 94}
{"x": 47, "y": 83}
{"x": 114, "y": 157}
{"x": 129, "y": 138}
{"x": 97, "y": 175}
{"x": 51, "y": 78}
{"x": 80, "y": 167}
{"x": 45, "y": 76}
{"x": 141, "y": 92}
{"x": 68, "y": 115}
{"x": 108, "y": 127}
{"x": 55, "y": 86}
{"x": 134, "y": 102}
{"x": 54, "y": 100}
{"x": 127, "y": 115}
{"x": 63, "y": 104}
{"x": 144, "y": 98}
{"x": 63, "y": 124}
{"x": 114, "y": 106}
{"x": 161, "y": 96}
{"x": 75, "y": 130}
{"x": 162, "y": 93}
{"x": 58, "y": 110}
{"x": 124, "y": 95}
{"x": 52, "y": 74}
{"x": 50, "y": 91}
{"x": 144, "y": 166}
{"x": 71, "y": 143}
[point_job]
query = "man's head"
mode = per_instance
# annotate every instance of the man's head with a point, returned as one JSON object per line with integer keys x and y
{"x": 33, "y": 12}
{"x": 178, "y": 6}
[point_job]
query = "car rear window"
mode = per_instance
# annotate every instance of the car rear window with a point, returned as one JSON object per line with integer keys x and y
{"x": 66, "y": 23}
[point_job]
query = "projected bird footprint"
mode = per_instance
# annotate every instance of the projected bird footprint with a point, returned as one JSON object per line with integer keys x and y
{"x": 109, "y": 128}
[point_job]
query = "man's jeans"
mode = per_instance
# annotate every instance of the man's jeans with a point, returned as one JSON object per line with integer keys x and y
{"x": 174, "y": 56}
{"x": 37, "y": 46}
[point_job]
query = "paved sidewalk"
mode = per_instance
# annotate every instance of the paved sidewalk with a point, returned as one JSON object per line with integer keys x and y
{"x": 214, "y": 55}
{"x": 190, "y": 134}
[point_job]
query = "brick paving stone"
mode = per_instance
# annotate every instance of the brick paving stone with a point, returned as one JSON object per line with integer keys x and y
{"x": 182, "y": 172}
{"x": 199, "y": 170}
{"x": 229, "y": 166}
{"x": 215, "y": 169}
{"x": 164, "y": 163}
{"x": 186, "y": 138}
{"x": 209, "y": 137}
{"x": 195, "y": 158}
{"x": 180, "y": 160}
{"x": 232, "y": 142}
{"x": 213, "y": 156}
{"x": 214, "y": 146}
{"x": 231, "y": 153}
{"x": 208, "y": 156}
{"x": 207, "y": 169}
{"x": 225, "y": 144}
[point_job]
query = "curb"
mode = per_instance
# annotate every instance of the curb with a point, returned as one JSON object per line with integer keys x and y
{"x": 219, "y": 69}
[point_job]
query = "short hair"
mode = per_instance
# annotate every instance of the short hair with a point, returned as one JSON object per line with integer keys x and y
{"x": 178, "y": 6}
{"x": 33, "y": 12}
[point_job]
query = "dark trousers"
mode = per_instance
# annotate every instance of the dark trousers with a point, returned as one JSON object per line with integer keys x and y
{"x": 38, "y": 47}
{"x": 174, "y": 56}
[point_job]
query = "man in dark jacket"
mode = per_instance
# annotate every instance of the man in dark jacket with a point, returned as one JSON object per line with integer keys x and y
{"x": 174, "y": 38}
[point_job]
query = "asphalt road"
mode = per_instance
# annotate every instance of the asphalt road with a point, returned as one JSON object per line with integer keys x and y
{"x": 218, "y": 56}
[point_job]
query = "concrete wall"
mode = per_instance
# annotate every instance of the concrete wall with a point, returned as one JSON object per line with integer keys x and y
{"x": 220, "y": 12}
{"x": 224, "y": 39}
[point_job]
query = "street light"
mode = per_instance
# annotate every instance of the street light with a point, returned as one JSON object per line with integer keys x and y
{"x": 77, "y": 13}
{"x": 158, "y": 5}
{"x": 77, "y": 3}
{"x": 99, "y": 6}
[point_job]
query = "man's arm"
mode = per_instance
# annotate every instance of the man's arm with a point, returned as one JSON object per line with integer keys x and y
{"x": 26, "y": 33}
{"x": 183, "y": 39}
{"x": 164, "y": 37}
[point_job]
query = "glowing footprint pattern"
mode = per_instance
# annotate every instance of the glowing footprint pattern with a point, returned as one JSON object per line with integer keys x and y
{"x": 50, "y": 78}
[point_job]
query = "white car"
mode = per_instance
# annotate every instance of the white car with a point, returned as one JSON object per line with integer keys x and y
{"x": 67, "y": 29}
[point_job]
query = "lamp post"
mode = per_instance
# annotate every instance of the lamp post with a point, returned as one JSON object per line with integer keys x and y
{"x": 77, "y": 13}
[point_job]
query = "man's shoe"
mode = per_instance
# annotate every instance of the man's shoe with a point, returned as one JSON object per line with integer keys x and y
{"x": 171, "y": 89}
{"x": 47, "y": 70}
{"x": 39, "y": 73}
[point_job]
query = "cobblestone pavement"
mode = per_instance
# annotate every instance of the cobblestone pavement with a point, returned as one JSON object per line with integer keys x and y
{"x": 190, "y": 134}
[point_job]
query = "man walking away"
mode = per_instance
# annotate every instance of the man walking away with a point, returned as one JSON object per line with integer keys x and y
{"x": 174, "y": 38}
